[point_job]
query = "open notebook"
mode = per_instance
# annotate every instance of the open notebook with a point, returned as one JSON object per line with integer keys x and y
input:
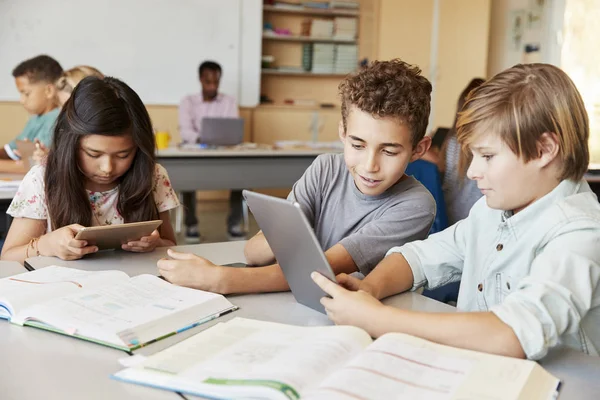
{"x": 255, "y": 359}
{"x": 106, "y": 307}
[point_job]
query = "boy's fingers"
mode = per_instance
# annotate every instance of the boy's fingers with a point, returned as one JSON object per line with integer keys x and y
{"x": 349, "y": 282}
{"x": 328, "y": 287}
{"x": 182, "y": 256}
{"x": 166, "y": 265}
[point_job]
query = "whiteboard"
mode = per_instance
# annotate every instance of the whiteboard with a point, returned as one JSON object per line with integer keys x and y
{"x": 155, "y": 46}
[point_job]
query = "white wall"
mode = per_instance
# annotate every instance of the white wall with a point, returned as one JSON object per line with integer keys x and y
{"x": 502, "y": 54}
{"x": 153, "y": 45}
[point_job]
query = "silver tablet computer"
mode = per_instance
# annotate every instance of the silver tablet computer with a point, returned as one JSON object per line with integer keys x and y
{"x": 294, "y": 244}
{"x": 113, "y": 236}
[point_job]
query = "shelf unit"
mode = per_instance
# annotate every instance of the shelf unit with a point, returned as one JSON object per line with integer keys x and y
{"x": 308, "y": 39}
{"x": 312, "y": 11}
{"x": 274, "y": 71}
{"x": 279, "y": 121}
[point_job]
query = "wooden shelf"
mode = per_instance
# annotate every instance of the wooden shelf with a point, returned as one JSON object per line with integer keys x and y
{"x": 313, "y": 11}
{"x": 307, "y": 39}
{"x": 279, "y": 106}
{"x": 294, "y": 73}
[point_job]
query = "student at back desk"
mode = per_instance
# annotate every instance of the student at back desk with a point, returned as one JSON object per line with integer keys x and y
{"x": 101, "y": 170}
{"x": 194, "y": 108}
{"x": 35, "y": 79}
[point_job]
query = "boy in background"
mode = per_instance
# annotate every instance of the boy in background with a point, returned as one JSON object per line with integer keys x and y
{"x": 35, "y": 79}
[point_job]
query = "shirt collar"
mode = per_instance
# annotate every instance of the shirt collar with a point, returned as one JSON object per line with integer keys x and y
{"x": 217, "y": 99}
{"x": 532, "y": 212}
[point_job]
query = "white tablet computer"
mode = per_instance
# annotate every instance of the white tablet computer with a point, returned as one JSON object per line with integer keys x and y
{"x": 113, "y": 236}
{"x": 294, "y": 244}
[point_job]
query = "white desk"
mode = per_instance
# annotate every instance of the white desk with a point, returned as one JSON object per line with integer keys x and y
{"x": 235, "y": 169}
{"x": 6, "y": 196}
{"x": 578, "y": 372}
{"x": 42, "y": 365}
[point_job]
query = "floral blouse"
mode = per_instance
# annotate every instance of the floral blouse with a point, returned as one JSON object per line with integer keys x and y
{"x": 30, "y": 200}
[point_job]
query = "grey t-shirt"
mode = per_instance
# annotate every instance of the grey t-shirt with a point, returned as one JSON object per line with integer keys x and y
{"x": 367, "y": 226}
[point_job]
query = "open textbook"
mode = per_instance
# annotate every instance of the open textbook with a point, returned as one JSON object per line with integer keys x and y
{"x": 106, "y": 307}
{"x": 255, "y": 359}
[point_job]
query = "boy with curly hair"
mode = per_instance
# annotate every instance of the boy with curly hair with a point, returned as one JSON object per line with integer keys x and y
{"x": 359, "y": 203}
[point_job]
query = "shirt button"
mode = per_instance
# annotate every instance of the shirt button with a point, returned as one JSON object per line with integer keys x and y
{"x": 480, "y": 287}
{"x": 499, "y": 247}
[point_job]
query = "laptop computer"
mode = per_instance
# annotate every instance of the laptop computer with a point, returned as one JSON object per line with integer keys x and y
{"x": 294, "y": 244}
{"x": 222, "y": 131}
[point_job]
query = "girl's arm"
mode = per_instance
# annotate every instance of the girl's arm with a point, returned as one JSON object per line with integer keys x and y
{"x": 17, "y": 246}
{"x": 26, "y": 238}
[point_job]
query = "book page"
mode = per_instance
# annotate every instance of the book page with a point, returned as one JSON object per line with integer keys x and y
{"x": 101, "y": 313}
{"x": 23, "y": 290}
{"x": 246, "y": 353}
{"x": 412, "y": 368}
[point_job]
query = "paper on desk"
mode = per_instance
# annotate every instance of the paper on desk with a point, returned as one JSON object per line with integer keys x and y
{"x": 10, "y": 185}
{"x": 132, "y": 361}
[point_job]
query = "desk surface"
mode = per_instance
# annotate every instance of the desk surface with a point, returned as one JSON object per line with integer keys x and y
{"x": 9, "y": 193}
{"x": 578, "y": 372}
{"x": 41, "y": 365}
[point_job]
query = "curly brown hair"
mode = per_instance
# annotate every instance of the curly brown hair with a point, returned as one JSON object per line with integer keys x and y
{"x": 389, "y": 89}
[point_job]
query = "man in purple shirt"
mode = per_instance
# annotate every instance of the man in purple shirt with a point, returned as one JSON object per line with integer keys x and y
{"x": 193, "y": 108}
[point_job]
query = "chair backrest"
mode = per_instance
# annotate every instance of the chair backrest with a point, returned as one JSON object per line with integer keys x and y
{"x": 428, "y": 174}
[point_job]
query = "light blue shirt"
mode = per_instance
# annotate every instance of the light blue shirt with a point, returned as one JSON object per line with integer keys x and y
{"x": 39, "y": 127}
{"x": 538, "y": 270}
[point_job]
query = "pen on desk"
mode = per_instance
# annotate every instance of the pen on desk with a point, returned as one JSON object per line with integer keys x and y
{"x": 133, "y": 344}
{"x": 557, "y": 391}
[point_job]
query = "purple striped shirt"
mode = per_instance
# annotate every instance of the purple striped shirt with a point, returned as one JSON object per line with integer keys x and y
{"x": 193, "y": 109}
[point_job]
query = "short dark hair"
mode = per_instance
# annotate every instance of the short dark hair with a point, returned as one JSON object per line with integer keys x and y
{"x": 389, "y": 89}
{"x": 209, "y": 65}
{"x": 41, "y": 68}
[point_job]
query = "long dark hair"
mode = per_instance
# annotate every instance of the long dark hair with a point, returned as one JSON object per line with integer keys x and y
{"x": 100, "y": 107}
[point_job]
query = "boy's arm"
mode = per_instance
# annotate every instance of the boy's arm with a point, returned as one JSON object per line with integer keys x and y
{"x": 480, "y": 331}
{"x": 559, "y": 294}
{"x": 432, "y": 262}
{"x": 257, "y": 251}
{"x": 392, "y": 275}
{"x": 8, "y": 150}
{"x": 193, "y": 271}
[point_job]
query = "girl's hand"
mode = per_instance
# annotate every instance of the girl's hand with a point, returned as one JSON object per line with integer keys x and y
{"x": 61, "y": 243}
{"x": 346, "y": 307}
{"x": 145, "y": 244}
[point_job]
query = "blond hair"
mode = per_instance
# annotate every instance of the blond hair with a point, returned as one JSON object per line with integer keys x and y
{"x": 71, "y": 77}
{"x": 522, "y": 103}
